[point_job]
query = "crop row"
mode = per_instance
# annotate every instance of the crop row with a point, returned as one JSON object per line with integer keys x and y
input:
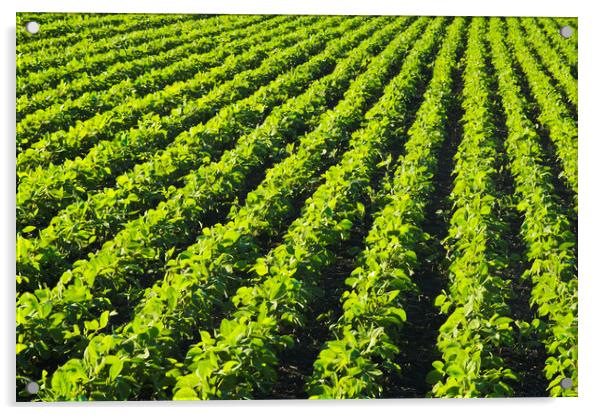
{"x": 79, "y": 99}
{"x": 551, "y": 59}
{"x": 367, "y": 333}
{"x": 101, "y": 71}
{"x": 475, "y": 299}
{"x": 566, "y": 49}
{"x": 182, "y": 228}
{"x": 571, "y": 22}
{"x": 155, "y": 88}
{"x": 28, "y": 43}
{"x": 202, "y": 274}
{"x": 208, "y": 188}
{"x": 58, "y": 28}
{"x": 553, "y": 112}
{"x": 25, "y": 17}
{"x": 104, "y": 213}
{"x": 48, "y": 190}
{"x": 546, "y": 230}
{"x": 239, "y": 360}
{"x": 76, "y": 83}
{"x": 58, "y": 56}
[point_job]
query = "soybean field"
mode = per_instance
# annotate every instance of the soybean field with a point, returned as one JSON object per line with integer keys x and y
{"x": 295, "y": 207}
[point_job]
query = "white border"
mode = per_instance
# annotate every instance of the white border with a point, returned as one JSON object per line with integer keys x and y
{"x": 590, "y": 160}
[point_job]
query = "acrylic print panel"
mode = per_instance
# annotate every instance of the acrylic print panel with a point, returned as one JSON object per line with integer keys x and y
{"x": 280, "y": 206}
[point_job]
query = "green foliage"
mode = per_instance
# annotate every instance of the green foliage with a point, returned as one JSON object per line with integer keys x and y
{"x": 554, "y": 113}
{"x": 352, "y": 366}
{"x": 545, "y": 229}
{"x": 265, "y": 312}
{"x": 476, "y": 297}
{"x": 204, "y": 271}
{"x": 186, "y": 184}
{"x": 153, "y": 120}
{"x": 87, "y": 224}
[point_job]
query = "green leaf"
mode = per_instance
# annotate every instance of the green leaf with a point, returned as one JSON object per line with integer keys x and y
{"x": 91, "y": 325}
{"x": 185, "y": 394}
{"x": 59, "y": 382}
{"x": 360, "y": 208}
{"x": 115, "y": 369}
{"x": 206, "y": 337}
{"x": 399, "y": 313}
{"x": 440, "y": 300}
{"x": 454, "y": 371}
{"x": 500, "y": 321}
{"x": 566, "y": 245}
{"x": 261, "y": 268}
{"x": 433, "y": 377}
{"x": 28, "y": 229}
{"x": 346, "y": 224}
{"x": 104, "y": 319}
{"x": 438, "y": 364}
{"x": 229, "y": 365}
{"x": 231, "y": 236}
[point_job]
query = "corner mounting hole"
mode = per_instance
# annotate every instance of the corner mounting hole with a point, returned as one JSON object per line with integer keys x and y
{"x": 32, "y": 27}
{"x": 32, "y": 388}
{"x": 566, "y": 383}
{"x": 566, "y": 31}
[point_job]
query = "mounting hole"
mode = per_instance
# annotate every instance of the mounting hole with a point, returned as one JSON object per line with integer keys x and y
{"x": 32, "y": 27}
{"x": 566, "y": 383}
{"x": 32, "y": 388}
{"x": 566, "y": 31}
